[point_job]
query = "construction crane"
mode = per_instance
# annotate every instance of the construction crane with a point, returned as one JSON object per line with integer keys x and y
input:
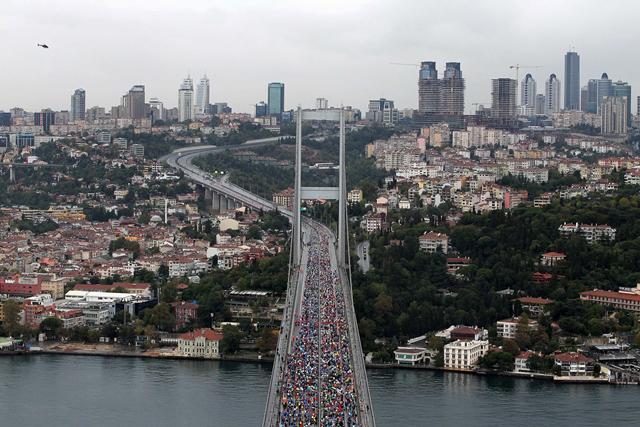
{"x": 405, "y": 64}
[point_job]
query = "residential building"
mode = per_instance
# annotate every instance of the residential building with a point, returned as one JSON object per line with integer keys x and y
{"x": 185, "y": 100}
{"x": 137, "y": 151}
{"x": 275, "y": 99}
{"x": 571, "y": 81}
{"x": 619, "y": 300}
{"x": 21, "y": 285}
{"x": 552, "y": 95}
{"x": 322, "y": 103}
{"x": 433, "y": 242}
{"x": 574, "y": 364}
{"x": 202, "y": 96}
{"x": 535, "y": 306}
{"x": 521, "y": 361}
{"x": 45, "y": 119}
{"x": 508, "y": 328}
{"x": 375, "y": 222}
{"x": 185, "y": 313}
{"x": 503, "y": 98}
{"x": 355, "y": 196}
{"x": 623, "y": 89}
{"x": 284, "y": 198}
{"x": 201, "y": 343}
{"x": 528, "y": 93}
{"x": 592, "y": 233}
{"x": 551, "y": 259}
{"x": 77, "y": 110}
{"x": 468, "y": 333}
{"x": 614, "y": 114}
{"x": 540, "y": 104}
{"x": 464, "y": 355}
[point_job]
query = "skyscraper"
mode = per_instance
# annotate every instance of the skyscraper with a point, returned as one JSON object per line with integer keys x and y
{"x": 185, "y": 100}
{"x": 77, "y": 110}
{"x": 134, "y": 103}
{"x": 503, "y": 98}
{"x": 592, "y": 96}
{"x": 45, "y": 118}
{"x": 261, "y": 109}
{"x": 202, "y": 95}
{"x": 383, "y": 111}
{"x": 604, "y": 87}
{"x": 613, "y": 113}
{"x": 275, "y": 99}
{"x": 621, "y": 88}
{"x": 322, "y": 103}
{"x": 528, "y": 94}
{"x": 428, "y": 88}
{"x": 571, "y": 81}
{"x": 452, "y": 91}
{"x": 157, "y": 109}
{"x": 584, "y": 99}
{"x": 552, "y": 95}
{"x": 540, "y": 104}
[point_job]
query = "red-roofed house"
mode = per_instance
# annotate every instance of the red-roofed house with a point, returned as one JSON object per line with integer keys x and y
{"x": 621, "y": 300}
{"x": 454, "y": 264}
{"x": 538, "y": 277}
{"x": 201, "y": 343}
{"x": 552, "y": 258}
{"x": 573, "y": 364}
{"x": 520, "y": 363}
{"x": 142, "y": 289}
{"x": 467, "y": 333}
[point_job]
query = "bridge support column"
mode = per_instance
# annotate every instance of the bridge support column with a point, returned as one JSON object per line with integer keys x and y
{"x": 231, "y": 204}
{"x": 12, "y": 174}
{"x": 215, "y": 202}
{"x": 208, "y": 194}
{"x": 222, "y": 204}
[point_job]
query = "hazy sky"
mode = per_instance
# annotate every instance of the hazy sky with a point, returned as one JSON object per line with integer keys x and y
{"x": 335, "y": 49}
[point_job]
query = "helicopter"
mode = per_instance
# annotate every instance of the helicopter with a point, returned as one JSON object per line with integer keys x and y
{"x": 44, "y": 46}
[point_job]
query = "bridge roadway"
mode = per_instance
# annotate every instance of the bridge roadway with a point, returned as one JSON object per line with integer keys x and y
{"x": 182, "y": 159}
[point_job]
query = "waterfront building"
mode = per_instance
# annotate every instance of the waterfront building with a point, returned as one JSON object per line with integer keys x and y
{"x": 573, "y": 364}
{"x": 409, "y": 355}
{"x": 201, "y": 343}
{"x": 464, "y": 355}
{"x": 508, "y": 328}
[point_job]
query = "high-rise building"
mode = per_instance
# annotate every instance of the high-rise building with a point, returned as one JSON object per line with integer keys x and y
{"x": 604, "y": 87}
{"x": 322, "y": 103}
{"x": 261, "y": 109}
{"x": 452, "y": 91}
{"x": 77, "y": 110}
{"x": 157, "y": 109}
{"x": 45, "y": 118}
{"x": 382, "y": 111}
{"x": 275, "y": 99}
{"x": 134, "y": 103}
{"x": 592, "y": 96}
{"x": 202, "y": 96}
{"x": 621, "y": 88}
{"x": 552, "y": 95}
{"x": 571, "y": 81}
{"x": 584, "y": 99}
{"x": 185, "y": 100}
{"x": 428, "y": 88}
{"x": 503, "y": 98}
{"x": 5, "y": 119}
{"x": 528, "y": 91}
{"x": 613, "y": 113}
{"x": 638, "y": 106}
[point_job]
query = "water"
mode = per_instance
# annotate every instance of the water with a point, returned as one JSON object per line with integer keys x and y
{"x": 99, "y": 391}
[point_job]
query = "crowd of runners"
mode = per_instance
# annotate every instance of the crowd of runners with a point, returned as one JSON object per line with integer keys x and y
{"x": 318, "y": 383}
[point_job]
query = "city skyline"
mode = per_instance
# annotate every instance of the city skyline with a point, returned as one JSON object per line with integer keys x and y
{"x": 350, "y": 67}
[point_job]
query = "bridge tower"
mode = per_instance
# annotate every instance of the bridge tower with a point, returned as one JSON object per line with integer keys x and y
{"x": 327, "y": 193}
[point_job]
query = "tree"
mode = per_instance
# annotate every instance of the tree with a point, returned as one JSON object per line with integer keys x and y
{"x": 231, "y": 339}
{"x": 11, "y": 317}
{"x": 497, "y": 360}
{"x": 268, "y": 341}
{"x": 160, "y": 317}
{"x": 52, "y": 326}
{"x": 254, "y": 233}
{"x": 510, "y": 346}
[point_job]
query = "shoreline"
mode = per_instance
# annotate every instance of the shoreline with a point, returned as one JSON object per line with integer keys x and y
{"x": 269, "y": 361}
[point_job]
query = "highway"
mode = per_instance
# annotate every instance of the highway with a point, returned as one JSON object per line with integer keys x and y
{"x": 318, "y": 309}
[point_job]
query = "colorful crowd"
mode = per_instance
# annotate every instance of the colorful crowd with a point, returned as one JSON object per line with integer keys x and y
{"x": 318, "y": 382}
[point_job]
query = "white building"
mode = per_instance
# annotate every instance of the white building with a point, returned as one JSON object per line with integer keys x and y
{"x": 528, "y": 95}
{"x": 409, "y": 355}
{"x": 432, "y": 242}
{"x": 552, "y": 95}
{"x": 202, "y": 96}
{"x": 508, "y": 328}
{"x": 201, "y": 343}
{"x": 464, "y": 355}
{"x": 185, "y": 100}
